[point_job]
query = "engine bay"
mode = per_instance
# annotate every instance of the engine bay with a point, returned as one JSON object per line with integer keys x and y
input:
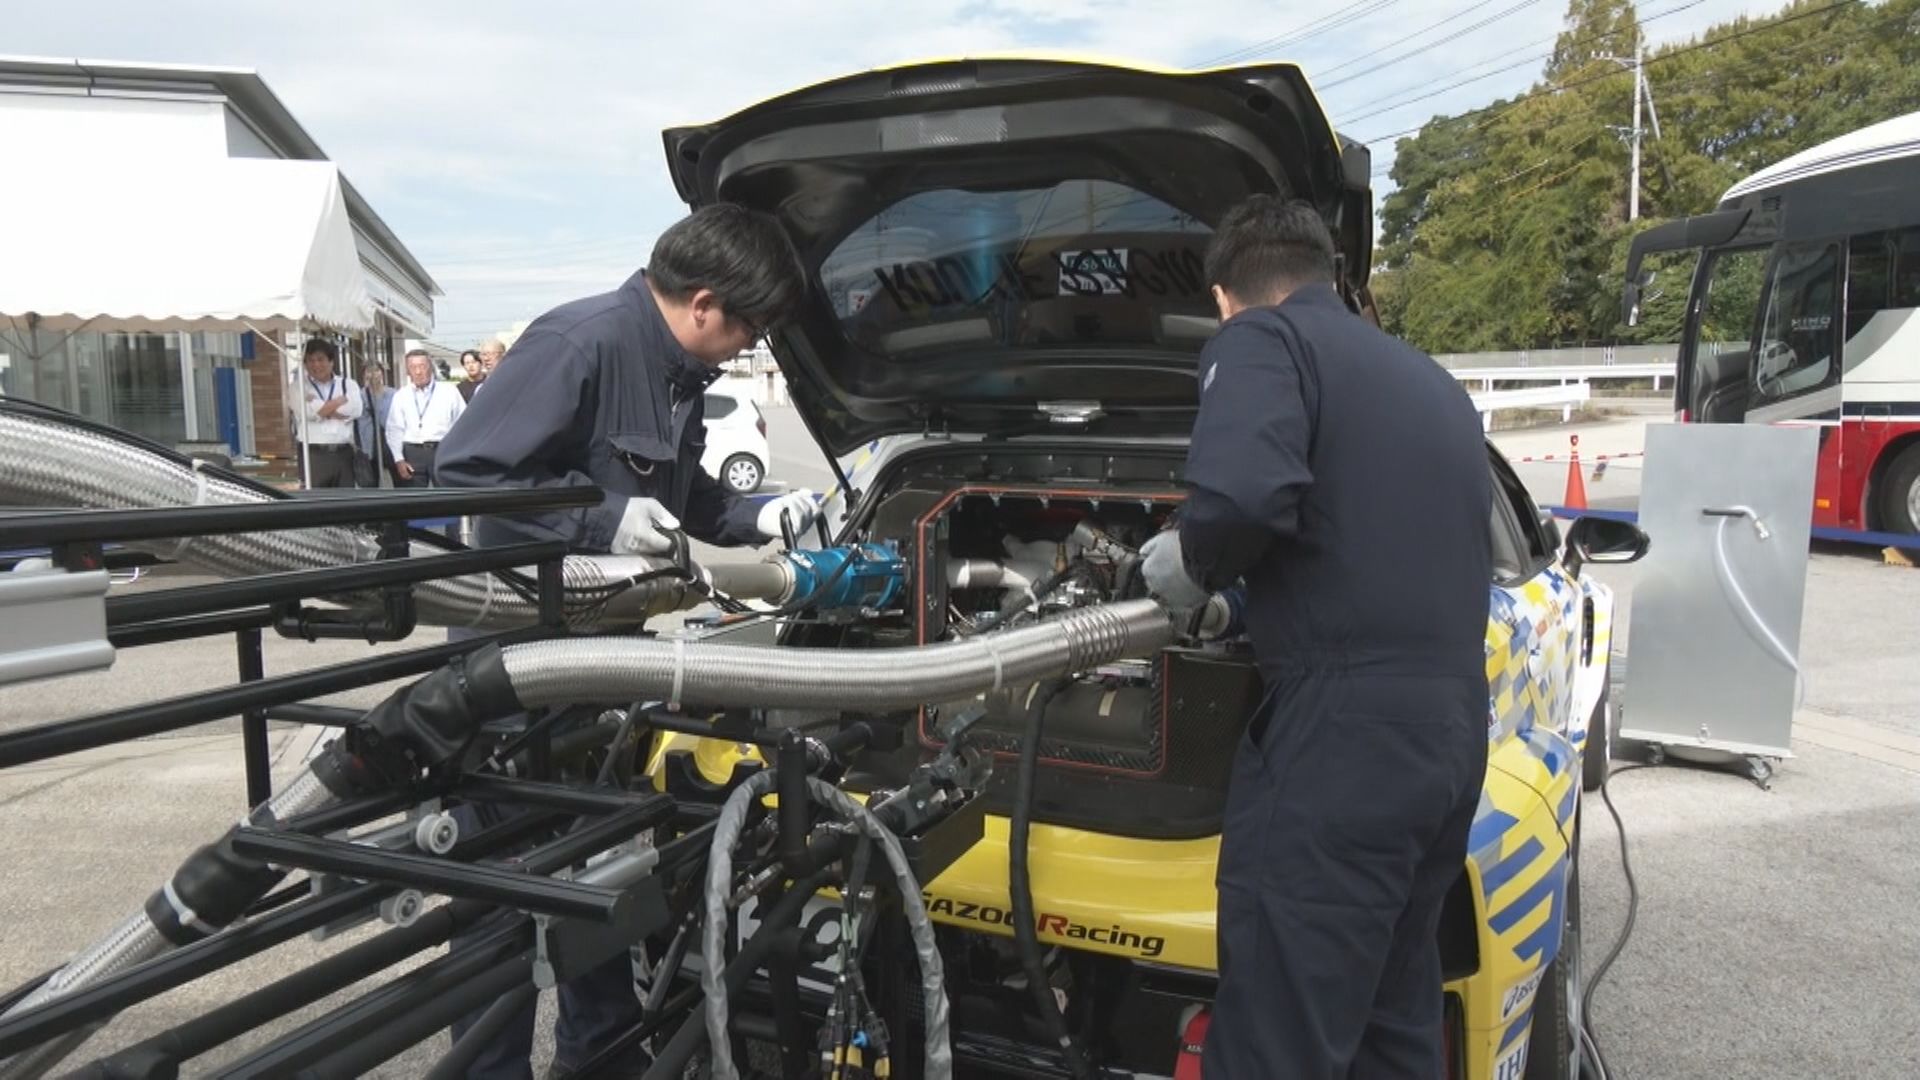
{"x": 1138, "y": 747}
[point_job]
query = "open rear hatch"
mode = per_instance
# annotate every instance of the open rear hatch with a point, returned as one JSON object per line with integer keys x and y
{"x": 1000, "y": 245}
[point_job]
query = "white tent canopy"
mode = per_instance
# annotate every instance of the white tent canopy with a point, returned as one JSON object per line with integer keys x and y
{"x": 226, "y": 244}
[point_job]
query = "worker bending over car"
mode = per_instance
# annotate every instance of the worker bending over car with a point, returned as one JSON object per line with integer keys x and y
{"x": 609, "y": 390}
{"x": 1342, "y": 474}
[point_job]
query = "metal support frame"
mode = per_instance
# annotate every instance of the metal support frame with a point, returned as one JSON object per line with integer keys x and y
{"x": 301, "y": 584}
{"x": 367, "y": 1027}
{"x": 160, "y": 1056}
{"x": 273, "y": 515}
{"x": 563, "y": 922}
{"x": 186, "y": 627}
{"x": 253, "y": 722}
{"x": 626, "y": 816}
{"x": 104, "y": 999}
{"x": 28, "y": 745}
{"x": 494, "y": 788}
{"x": 97, "y": 1003}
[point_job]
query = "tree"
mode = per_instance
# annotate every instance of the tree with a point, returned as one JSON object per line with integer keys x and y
{"x": 1594, "y": 29}
{"x": 1508, "y": 226}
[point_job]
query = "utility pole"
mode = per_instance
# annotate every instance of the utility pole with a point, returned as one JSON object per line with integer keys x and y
{"x": 1639, "y": 90}
{"x": 1639, "y": 66}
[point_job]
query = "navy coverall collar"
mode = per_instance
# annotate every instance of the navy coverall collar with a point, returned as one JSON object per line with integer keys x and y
{"x": 1316, "y": 294}
{"x": 682, "y": 369}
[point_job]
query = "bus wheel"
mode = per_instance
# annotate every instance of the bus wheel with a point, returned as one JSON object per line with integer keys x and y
{"x": 1899, "y": 497}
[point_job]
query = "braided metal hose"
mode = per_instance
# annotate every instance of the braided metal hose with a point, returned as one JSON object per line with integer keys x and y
{"x": 866, "y": 680}
{"x": 47, "y": 463}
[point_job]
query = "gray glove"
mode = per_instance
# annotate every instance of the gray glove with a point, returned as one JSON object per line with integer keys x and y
{"x": 1164, "y": 568}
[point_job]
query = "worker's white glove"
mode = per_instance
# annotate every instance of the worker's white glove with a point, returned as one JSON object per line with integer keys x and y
{"x": 1164, "y": 568}
{"x": 640, "y": 530}
{"x": 797, "y": 505}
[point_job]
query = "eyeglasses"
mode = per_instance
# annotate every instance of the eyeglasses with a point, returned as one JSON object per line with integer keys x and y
{"x": 754, "y": 331}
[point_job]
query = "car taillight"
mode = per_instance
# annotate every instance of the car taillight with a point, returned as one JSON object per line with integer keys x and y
{"x": 761, "y": 424}
{"x": 1681, "y": 417}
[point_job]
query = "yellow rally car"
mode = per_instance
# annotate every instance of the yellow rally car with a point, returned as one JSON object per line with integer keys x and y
{"x": 999, "y": 350}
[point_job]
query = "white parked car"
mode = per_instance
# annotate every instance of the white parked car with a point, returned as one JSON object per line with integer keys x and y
{"x": 736, "y": 439}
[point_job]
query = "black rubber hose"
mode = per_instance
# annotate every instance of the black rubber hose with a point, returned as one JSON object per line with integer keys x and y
{"x": 1020, "y": 884}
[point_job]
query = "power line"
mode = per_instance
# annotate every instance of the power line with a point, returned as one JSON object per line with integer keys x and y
{"x": 1398, "y": 104}
{"x": 1432, "y": 45}
{"x": 1498, "y": 109}
{"x": 1468, "y": 10}
{"x": 1706, "y": 81}
{"x": 1310, "y": 28}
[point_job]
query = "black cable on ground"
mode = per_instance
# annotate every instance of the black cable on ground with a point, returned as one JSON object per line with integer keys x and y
{"x": 1020, "y": 883}
{"x": 1626, "y": 928}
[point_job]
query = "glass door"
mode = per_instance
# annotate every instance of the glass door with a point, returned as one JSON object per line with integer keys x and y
{"x": 148, "y": 394}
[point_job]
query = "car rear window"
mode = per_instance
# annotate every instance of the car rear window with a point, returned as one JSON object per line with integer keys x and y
{"x": 1083, "y": 262}
{"x": 720, "y": 406}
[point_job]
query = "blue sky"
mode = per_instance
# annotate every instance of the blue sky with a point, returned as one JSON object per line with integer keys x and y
{"x": 515, "y": 147}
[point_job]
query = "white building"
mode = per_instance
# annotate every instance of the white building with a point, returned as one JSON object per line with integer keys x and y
{"x": 179, "y": 243}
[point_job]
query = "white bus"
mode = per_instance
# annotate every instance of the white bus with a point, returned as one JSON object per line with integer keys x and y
{"x": 1812, "y": 259}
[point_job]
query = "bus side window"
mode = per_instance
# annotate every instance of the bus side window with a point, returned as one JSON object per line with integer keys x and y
{"x": 1904, "y": 289}
{"x": 1869, "y": 278}
{"x": 1795, "y": 350}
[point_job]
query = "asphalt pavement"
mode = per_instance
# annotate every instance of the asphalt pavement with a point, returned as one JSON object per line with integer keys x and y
{"x": 1775, "y": 936}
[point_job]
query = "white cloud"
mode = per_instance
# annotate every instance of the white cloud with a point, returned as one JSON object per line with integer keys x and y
{"x": 489, "y": 130}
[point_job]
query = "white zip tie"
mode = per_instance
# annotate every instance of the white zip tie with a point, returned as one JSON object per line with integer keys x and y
{"x": 986, "y": 642}
{"x": 186, "y": 915}
{"x": 199, "y": 499}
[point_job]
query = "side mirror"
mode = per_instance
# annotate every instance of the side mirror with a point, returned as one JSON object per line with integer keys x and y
{"x": 1549, "y": 525}
{"x": 1604, "y": 540}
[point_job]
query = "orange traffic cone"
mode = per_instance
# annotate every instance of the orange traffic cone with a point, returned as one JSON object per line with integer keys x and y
{"x": 1576, "y": 497}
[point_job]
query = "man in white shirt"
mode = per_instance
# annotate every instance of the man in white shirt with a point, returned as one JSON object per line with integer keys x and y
{"x": 491, "y": 353}
{"x": 421, "y": 415}
{"x": 331, "y": 404}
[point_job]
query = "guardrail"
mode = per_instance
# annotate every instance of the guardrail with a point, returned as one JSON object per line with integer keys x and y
{"x": 1572, "y": 356}
{"x": 1531, "y": 397}
{"x": 1566, "y": 373}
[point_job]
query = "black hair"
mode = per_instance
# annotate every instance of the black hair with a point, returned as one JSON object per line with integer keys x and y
{"x": 1267, "y": 246}
{"x": 321, "y": 345}
{"x": 743, "y": 256}
{"x": 475, "y": 353}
